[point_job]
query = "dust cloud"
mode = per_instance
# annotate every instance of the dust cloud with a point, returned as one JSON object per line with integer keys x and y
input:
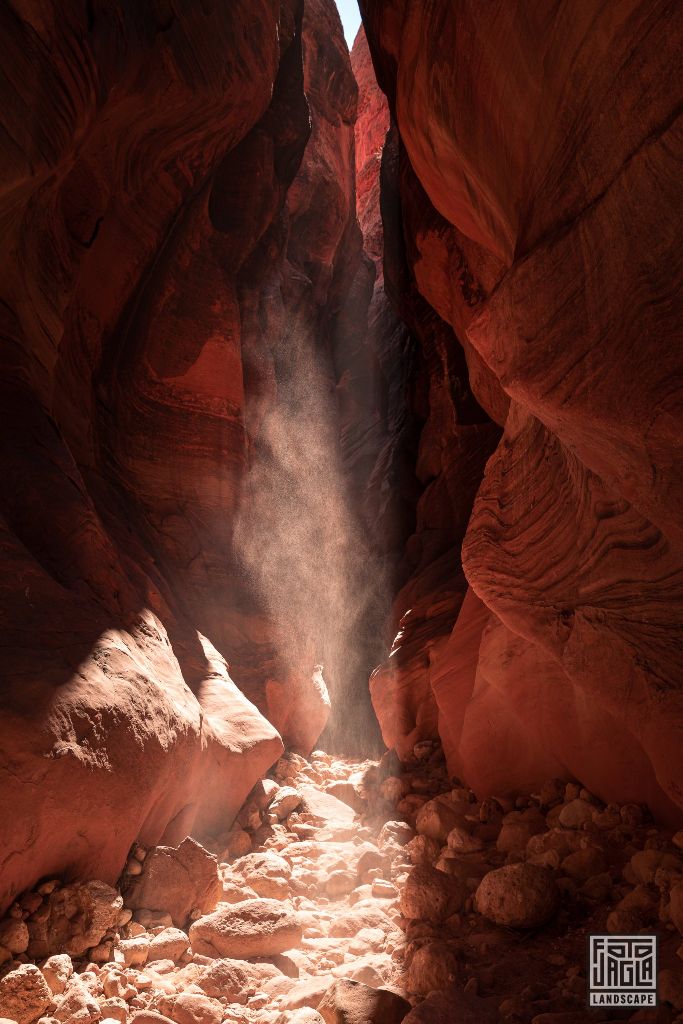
{"x": 302, "y": 546}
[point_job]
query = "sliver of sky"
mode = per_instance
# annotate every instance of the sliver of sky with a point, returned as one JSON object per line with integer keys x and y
{"x": 350, "y": 16}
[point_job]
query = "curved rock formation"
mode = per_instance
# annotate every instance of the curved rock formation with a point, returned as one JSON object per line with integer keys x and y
{"x": 242, "y": 409}
{"x": 150, "y": 217}
{"x": 545, "y": 145}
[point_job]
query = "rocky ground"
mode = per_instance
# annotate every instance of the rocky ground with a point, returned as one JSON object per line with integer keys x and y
{"x": 356, "y": 893}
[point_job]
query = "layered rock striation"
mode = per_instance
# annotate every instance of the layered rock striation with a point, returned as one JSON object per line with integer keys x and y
{"x": 177, "y": 191}
{"x": 538, "y": 194}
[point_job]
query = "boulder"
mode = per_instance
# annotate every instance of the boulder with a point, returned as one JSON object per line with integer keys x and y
{"x": 645, "y": 864}
{"x": 440, "y": 816}
{"x": 351, "y": 1002}
{"x": 363, "y": 915}
{"x": 57, "y": 970}
{"x": 258, "y": 927}
{"x": 14, "y": 935}
{"x": 169, "y": 944}
{"x": 191, "y": 1008}
{"x": 132, "y": 952}
{"x": 77, "y": 1005}
{"x": 395, "y": 832}
{"x": 73, "y": 919}
{"x": 347, "y": 793}
{"x": 333, "y": 812}
{"x": 114, "y": 1009}
{"x": 263, "y": 793}
{"x": 585, "y": 863}
{"x": 234, "y": 979}
{"x": 576, "y": 814}
{"x": 306, "y": 993}
{"x": 267, "y": 874}
{"x": 176, "y": 880}
{"x": 286, "y": 800}
{"x": 518, "y": 896}
{"x": 433, "y": 967}
{"x": 423, "y": 849}
{"x": 305, "y": 1015}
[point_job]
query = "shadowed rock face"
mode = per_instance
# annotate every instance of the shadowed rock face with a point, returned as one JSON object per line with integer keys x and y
{"x": 157, "y": 202}
{"x": 542, "y": 230}
{"x": 210, "y": 365}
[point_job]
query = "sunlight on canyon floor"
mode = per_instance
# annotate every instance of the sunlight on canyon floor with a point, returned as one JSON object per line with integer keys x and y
{"x": 369, "y": 891}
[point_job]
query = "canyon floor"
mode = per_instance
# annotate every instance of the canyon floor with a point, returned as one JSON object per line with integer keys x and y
{"x": 357, "y": 893}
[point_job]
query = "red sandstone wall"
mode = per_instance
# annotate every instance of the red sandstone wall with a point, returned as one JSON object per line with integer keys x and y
{"x": 147, "y": 206}
{"x": 545, "y": 144}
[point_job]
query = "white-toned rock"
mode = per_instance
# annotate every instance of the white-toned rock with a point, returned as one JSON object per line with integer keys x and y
{"x": 340, "y": 883}
{"x": 149, "y": 919}
{"x": 364, "y": 915}
{"x": 115, "y": 984}
{"x": 286, "y": 800}
{"x": 114, "y": 1009}
{"x": 169, "y": 944}
{"x": 305, "y": 1015}
{"x": 306, "y": 993}
{"x": 132, "y": 952}
{"x": 397, "y": 832}
{"x": 57, "y": 970}
{"x": 383, "y": 889}
{"x": 77, "y": 1004}
{"x": 235, "y": 980}
{"x": 266, "y": 874}
{"x": 191, "y": 1008}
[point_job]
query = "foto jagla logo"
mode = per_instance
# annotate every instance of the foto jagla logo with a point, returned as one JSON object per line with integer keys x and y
{"x": 622, "y": 970}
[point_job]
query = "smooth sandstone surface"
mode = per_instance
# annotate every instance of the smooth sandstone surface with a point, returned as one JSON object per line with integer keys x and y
{"x": 152, "y": 221}
{"x": 538, "y": 226}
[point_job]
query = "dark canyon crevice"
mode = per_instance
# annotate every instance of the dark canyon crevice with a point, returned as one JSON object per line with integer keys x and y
{"x": 292, "y": 367}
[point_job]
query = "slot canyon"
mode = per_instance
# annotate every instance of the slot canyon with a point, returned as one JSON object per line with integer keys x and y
{"x": 341, "y": 605}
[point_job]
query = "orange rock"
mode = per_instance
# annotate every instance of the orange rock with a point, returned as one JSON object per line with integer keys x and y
{"x": 176, "y": 880}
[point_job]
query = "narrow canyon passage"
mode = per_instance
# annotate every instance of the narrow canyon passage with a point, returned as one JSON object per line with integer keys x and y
{"x": 341, "y": 601}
